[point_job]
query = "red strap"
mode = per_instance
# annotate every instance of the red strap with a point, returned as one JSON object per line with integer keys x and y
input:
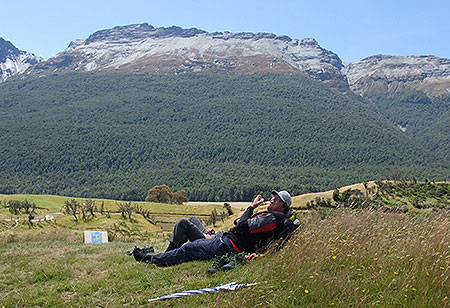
{"x": 267, "y": 228}
{"x": 234, "y": 246}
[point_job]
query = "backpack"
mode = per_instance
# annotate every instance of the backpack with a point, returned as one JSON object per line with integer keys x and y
{"x": 290, "y": 223}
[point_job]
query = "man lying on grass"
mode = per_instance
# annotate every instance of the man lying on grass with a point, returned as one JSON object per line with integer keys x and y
{"x": 251, "y": 233}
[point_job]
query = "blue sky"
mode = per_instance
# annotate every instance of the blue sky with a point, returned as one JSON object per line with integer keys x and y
{"x": 352, "y": 29}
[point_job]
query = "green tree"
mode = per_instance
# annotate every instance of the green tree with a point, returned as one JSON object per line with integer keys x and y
{"x": 160, "y": 194}
{"x": 179, "y": 197}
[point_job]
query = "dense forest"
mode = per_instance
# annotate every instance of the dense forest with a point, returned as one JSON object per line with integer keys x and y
{"x": 218, "y": 137}
{"x": 413, "y": 110}
{"x": 425, "y": 119}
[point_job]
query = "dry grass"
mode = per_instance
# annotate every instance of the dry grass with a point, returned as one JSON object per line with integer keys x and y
{"x": 299, "y": 202}
{"x": 349, "y": 258}
{"x": 368, "y": 259}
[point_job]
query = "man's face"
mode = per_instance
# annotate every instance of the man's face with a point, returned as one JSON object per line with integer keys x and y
{"x": 276, "y": 204}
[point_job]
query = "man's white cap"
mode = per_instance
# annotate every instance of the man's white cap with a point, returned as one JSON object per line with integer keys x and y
{"x": 284, "y": 196}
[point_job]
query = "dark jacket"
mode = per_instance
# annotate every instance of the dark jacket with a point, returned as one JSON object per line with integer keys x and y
{"x": 253, "y": 232}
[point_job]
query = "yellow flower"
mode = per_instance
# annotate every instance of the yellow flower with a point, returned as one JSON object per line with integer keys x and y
{"x": 283, "y": 281}
{"x": 395, "y": 273}
{"x": 334, "y": 257}
{"x": 332, "y": 304}
{"x": 380, "y": 266}
{"x": 428, "y": 274}
{"x": 442, "y": 268}
{"x": 306, "y": 291}
{"x": 364, "y": 291}
{"x": 414, "y": 289}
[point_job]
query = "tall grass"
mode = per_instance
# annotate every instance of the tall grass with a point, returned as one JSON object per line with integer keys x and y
{"x": 346, "y": 259}
{"x": 363, "y": 259}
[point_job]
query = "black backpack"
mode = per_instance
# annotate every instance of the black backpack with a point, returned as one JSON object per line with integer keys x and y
{"x": 290, "y": 223}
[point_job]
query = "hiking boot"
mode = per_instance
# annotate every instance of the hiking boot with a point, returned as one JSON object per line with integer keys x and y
{"x": 219, "y": 261}
{"x": 140, "y": 256}
{"x": 148, "y": 249}
{"x": 143, "y": 250}
{"x": 234, "y": 261}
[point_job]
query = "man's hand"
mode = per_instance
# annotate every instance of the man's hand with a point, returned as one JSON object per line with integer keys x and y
{"x": 258, "y": 201}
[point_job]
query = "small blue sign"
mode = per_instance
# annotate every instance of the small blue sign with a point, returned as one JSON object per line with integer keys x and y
{"x": 96, "y": 237}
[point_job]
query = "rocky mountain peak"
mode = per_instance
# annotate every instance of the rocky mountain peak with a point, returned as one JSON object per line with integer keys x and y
{"x": 14, "y": 61}
{"x": 144, "y": 48}
{"x": 7, "y": 49}
{"x": 140, "y": 32}
{"x": 390, "y": 74}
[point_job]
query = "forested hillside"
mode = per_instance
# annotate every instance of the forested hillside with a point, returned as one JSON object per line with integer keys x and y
{"x": 413, "y": 110}
{"x": 436, "y": 137}
{"x": 219, "y": 137}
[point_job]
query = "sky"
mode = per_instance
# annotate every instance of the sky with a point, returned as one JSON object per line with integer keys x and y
{"x": 352, "y": 29}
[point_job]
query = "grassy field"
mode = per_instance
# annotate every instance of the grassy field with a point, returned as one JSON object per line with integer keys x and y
{"x": 54, "y": 204}
{"x": 110, "y": 220}
{"x": 337, "y": 258}
{"x": 350, "y": 258}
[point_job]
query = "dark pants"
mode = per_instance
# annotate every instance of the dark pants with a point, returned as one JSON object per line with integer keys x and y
{"x": 187, "y": 230}
{"x": 201, "y": 249}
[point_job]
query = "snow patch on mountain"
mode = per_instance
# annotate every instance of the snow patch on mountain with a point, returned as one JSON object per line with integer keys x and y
{"x": 143, "y": 47}
{"x": 393, "y": 71}
{"x": 14, "y": 61}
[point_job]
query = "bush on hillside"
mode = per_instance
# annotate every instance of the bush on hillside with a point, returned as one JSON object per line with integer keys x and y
{"x": 163, "y": 194}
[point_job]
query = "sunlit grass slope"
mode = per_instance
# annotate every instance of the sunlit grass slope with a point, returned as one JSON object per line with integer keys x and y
{"x": 54, "y": 203}
{"x": 349, "y": 258}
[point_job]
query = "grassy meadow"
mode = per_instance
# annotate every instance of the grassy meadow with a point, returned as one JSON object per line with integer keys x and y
{"x": 338, "y": 258}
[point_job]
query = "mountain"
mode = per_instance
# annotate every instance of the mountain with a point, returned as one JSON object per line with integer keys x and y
{"x": 220, "y": 137}
{"x": 14, "y": 61}
{"x": 144, "y": 48}
{"x": 222, "y": 115}
{"x": 384, "y": 74}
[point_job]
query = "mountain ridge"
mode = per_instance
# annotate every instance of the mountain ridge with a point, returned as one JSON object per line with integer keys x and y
{"x": 143, "y": 48}
{"x": 14, "y": 61}
{"x": 409, "y": 91}
{"x": 394, "y": 74}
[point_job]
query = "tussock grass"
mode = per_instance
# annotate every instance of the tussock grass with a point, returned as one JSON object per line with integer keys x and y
{"x": 349, "y": 258}
{"x": 369, "y": 258}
